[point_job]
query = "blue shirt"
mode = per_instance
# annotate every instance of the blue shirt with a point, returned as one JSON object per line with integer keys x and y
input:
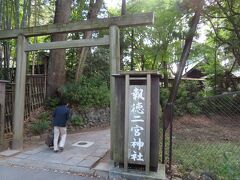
{"x": 61, "y": 116}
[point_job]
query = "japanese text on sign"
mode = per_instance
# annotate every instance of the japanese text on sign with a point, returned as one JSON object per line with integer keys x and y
{"x": 137, "y": 118}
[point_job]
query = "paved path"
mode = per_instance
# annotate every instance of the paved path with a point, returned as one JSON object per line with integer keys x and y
{"x": 72, "y": 159}
{"x": 19, "y": 173}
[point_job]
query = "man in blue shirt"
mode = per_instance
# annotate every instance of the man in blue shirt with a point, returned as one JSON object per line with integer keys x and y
{"x": 60, "y": 118}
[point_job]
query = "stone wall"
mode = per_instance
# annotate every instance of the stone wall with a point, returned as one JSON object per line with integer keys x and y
{"x": 92, "y": 117}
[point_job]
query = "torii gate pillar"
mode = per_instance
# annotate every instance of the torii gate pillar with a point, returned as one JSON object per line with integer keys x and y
{"x": 18, "y": 117}
{"x": 115, "y": 67}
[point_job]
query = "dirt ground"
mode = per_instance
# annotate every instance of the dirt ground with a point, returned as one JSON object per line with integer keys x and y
{"x": 203, "y": 128}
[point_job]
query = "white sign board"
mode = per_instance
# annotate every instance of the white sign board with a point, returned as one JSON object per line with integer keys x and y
{"x": 137, "y": 123}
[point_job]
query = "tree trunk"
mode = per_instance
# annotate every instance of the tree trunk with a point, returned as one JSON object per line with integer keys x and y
{"x": 142, "y": 62}
{"x": 132, "y": 48}
{"x": 165, "y": 74}
{"x": 185, "y": 54}
{"x": 6, "y": 47}
{"x": 6, "y": 60}
{"x": 24, "y": 17}
{"x": 29, "y": 12}
{"x": 82, "y": 53}
{"x": 1, "y": 60}
{"x": 36, "y": 14}
{"x": 17, "y": 14}
{"x": 82, "y": 56}
{"x": 56, "y": 66}
{"x": 1, "y": 13}
{"x": 123, "y": 12}
{"x": 25, "y": 22}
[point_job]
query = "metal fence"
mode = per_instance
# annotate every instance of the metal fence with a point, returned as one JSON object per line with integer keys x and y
{"x": 204, "y": 138}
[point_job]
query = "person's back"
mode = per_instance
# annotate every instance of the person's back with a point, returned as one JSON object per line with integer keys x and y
{"x": 60, "y": 116}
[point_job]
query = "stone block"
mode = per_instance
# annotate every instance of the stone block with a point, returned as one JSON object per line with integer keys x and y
{"x": 88, "y": 162}
{"x": 9, "y": 153}
{"x": 119, "y": 173}
{"x": 74, "y": 160}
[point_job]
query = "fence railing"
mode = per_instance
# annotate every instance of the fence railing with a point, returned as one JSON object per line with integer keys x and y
{"x": 205, "y": 140}
{"x": 9, "y": 100}
{"x": 35, "y": 92}
{"x": 34, "y": 98}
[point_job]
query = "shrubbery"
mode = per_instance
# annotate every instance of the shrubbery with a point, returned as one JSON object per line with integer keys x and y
{"x": 77, "y": 121}
{"x": 88, "y": 92}
{"x": 41, "y": 125}
{"x": 51, "y": 103}
{"x": 187, "y": 100}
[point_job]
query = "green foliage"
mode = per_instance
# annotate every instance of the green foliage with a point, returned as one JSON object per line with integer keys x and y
{"x": 188, "y": 98}
{"x": 51, "y": 103}
{"x": 97, "y": 64}
{"x": 222, "y": 159}
{"x": 193, "y": 109}
{"x": 157, "y": 44}
{"x": 225, "y": 104}
{"x": 89, "y": 92}
{"x": 41, "y": 124}
{"x": 164, "y": 95}
{"x": 44, "y": 116}
{"x": 77, "y": 121}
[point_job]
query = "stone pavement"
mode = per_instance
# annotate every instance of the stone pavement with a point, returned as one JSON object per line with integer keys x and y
{"x": 85, "y": 154}
{"x": 21, "y": 173}
{"x": 77, "y": 157}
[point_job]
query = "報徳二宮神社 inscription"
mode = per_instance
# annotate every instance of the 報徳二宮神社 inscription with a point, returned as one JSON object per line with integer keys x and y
{"x": 137, "y": 120}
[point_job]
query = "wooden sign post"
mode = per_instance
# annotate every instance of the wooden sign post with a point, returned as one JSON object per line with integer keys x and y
{"x": 137, "y": 119}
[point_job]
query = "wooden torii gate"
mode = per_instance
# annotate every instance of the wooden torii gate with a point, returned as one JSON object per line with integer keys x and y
{"x": 113, "y": 23}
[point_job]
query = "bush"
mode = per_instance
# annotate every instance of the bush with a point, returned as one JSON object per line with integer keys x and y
{"x": 39, "y": 127}
{"x": 164, "y": 95}
{"x": 187, "y": 100}
{"x": 77, "y": 121}
{"x": 89, "y": 92}
{"x": 41, "y": 124}
{"x": 193, "y": 108}
{"x": 51, "y": 103}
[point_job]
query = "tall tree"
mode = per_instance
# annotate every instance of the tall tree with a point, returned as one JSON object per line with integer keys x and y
{"x": 36, "y": 22}
{"x": 25, "y": 14}
{"x": 132, "y": 51}
{"x": 8, "y": 17}
{"x": 56, "y": 66}
{"x": 82, "y": 53}
{"x": 29, "y": 12}
{"x": 123, "y": 12}
{"x": 1, "y": 13}
{"x": 223, "y": 17}
{"x": 17, "y": 14}
{"x": 1, "y": 53}
{"x": 197, "y": 7}
{"x": 157, "y": 43}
